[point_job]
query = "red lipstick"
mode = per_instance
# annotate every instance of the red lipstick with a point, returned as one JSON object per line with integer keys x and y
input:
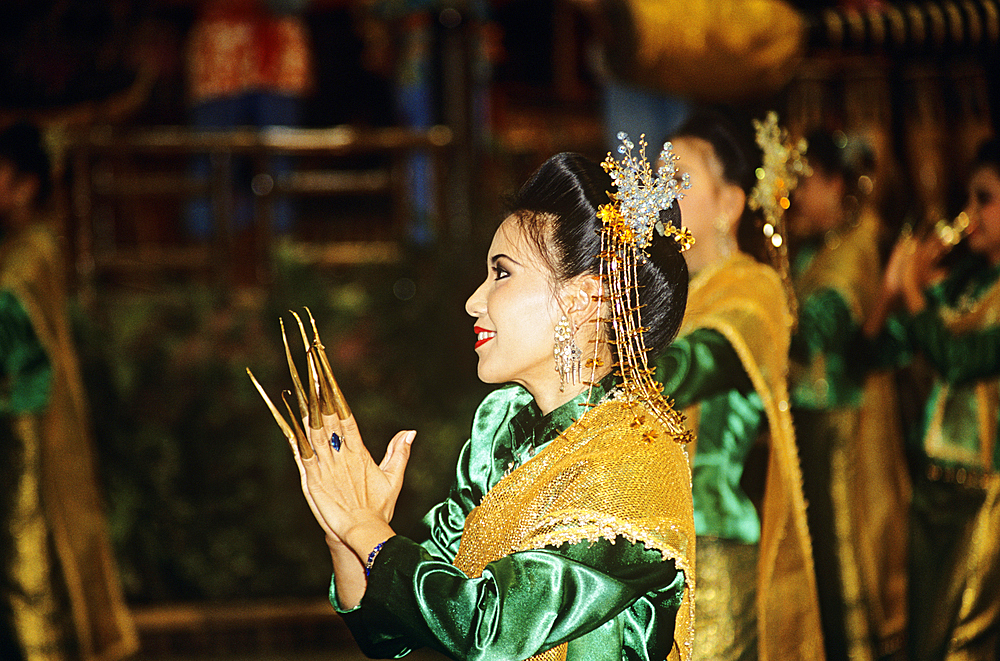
{"x": 483, "y": 335}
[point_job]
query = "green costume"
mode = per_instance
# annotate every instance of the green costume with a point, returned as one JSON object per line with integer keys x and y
{"x": 546, "y": 554}
{"x": 728, "y": 371}
{"x": 855, "y": 476}
{"x": 61, "y": 591}
{"x": 955, "y": 515}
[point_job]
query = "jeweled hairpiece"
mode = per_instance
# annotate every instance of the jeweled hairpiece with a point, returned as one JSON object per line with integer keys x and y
{"x": 627, "y": 226}
{"x": 641, "y": 197}
{"x": 783, "y": 164}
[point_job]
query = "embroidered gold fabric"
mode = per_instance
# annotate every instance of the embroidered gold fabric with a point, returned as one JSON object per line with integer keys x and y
{"x": 615, "y": 472}
{"x": 31, "y": 268}
{"x": 741, "y": 299}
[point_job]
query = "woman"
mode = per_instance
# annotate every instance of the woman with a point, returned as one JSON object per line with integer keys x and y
{"x": 728, "y": 371}
{"x": 857, "y": 498}
{"x": 952, "y": 318}
{"x": 60, "y": 595}
{"x": 568, "y": 530}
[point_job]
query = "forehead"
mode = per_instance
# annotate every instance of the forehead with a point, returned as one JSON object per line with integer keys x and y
{"x": 986, "y": 175}
{"x": 512, "y": 240}
{"x": 697, "y": 154}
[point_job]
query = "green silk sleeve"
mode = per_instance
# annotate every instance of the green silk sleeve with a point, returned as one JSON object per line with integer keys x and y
{"x": 479, "y": 466}
{"x": 522, "y": 604}
{"x": 826, "y": 325}
{"x": 700, "y": 365}
{"x": 25, "y": 371}
{"x": 958, "y": 358}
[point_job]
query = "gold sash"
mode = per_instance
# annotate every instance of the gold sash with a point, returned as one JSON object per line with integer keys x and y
{"x": 31, "y": 267}
{"x": 745, "y": 302}
{"x": 614, "y": 473}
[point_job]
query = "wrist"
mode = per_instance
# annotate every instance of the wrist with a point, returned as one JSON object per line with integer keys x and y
{"x": 366, "y": 534}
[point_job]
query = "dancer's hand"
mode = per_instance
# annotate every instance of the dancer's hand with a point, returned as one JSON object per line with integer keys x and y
{"x": 922, "y": 269}
{"x": 343, "y": 486}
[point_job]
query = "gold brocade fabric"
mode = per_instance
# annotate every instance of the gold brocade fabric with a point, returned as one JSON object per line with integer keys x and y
{"x": 715, "y": 51}
{"x": 31, "y": 267}
{"x": 869, "y": 479}
{"x": 616, "y": 472}
{"x": 742, "y": 299}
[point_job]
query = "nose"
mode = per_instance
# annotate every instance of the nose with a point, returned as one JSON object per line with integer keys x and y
{"x": 476, "y": 305}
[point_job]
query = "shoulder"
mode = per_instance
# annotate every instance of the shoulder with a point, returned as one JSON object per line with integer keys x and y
{"x": 741, "y": 292}
{"x": 29, "y": 252}
{"x": 496, "y": 410}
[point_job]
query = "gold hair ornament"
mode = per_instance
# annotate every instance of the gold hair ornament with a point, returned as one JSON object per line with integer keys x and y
{"x": 627, "y": 226}
{"x": 783, "y": 164}
{"x": 323, "y": 397}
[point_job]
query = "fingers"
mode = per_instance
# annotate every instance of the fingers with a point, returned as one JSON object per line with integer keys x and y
{"x": 397, "y": 455}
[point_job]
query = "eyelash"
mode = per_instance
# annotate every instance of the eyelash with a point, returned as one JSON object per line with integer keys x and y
{"x": 499, "y": 273}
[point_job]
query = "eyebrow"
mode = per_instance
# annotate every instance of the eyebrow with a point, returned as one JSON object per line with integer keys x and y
{"x": 495, "y": 258}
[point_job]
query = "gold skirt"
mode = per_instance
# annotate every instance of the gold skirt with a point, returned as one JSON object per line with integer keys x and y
{"x": 725, "y": 610}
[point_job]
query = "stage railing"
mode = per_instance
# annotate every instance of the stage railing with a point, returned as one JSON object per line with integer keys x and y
{"x": 111, "y": 167}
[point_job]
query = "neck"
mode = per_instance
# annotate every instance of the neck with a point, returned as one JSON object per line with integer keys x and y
{"x": 550, "y": 398}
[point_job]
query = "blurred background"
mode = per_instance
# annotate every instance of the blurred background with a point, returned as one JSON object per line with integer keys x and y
{"x": 218, "y": 163}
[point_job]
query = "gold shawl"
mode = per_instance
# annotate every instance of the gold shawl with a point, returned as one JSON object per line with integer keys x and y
{"x": 615, "y": 472}
{"x": 32, "y": 268}
{"x": 744, "y": 301}
{"x": 870, "y": 482}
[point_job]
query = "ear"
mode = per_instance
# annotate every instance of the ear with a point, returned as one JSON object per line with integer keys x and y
{"x": 25, "y": 190}
{"x": 732, "y": 199}
{"x": 580, "y": 299}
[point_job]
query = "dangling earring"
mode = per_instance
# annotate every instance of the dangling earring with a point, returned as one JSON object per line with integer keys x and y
{"x": 724, "y": 243}
{"x": 567, "y": 354}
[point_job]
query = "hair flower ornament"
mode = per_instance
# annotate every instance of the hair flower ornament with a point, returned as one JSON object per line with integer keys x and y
{"x": 627, "y": 226}
{"x": 635, "y": 209}
{"x": 783, "y": 163}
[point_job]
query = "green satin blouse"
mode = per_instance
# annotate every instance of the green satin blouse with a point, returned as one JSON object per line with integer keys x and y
{"x": 958, "y": 360}
{"x": 824, "y": 374}
{"x": 25, "y": 371}
{"x": 702, "y": 367}
{"x": 610, "y": 599}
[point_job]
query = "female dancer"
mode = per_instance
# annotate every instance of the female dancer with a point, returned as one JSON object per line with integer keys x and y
{"x": 728, "y": 370}
{"x": 954, "y": 322}
{"x": 568, "y": 532}
{"x": 857, "y": 498}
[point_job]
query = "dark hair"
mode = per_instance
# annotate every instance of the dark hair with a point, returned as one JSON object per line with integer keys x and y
{"x": 987, "y": 156}
{"x": 732, "y": 141}
{"x": 837, "y": 154}
{"x": 557, "y": 208}
{"x": 21, "y": 144}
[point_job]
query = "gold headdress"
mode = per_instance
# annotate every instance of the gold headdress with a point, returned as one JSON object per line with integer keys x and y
{"x": 628, "y": 223}
{"x": 783, "y": 164}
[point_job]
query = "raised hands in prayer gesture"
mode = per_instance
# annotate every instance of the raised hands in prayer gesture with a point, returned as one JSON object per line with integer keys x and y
{"x": 913, "y": 266}
{"x": 351, "y": 496}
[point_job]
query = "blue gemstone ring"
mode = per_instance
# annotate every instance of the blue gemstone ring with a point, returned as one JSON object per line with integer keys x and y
{"x": 335, "y": 442}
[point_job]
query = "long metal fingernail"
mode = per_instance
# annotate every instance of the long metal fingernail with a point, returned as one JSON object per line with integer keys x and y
{"x": 305, "y": 447}
{"x": 285, "y": 429}
{"x": 300, "y": 393}
{"x": 333, "y": 391}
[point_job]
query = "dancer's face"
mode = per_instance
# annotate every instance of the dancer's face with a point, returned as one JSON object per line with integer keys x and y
{"x": 711, "y": 207}
{"x": 516, "y": 311}
{"x": 817, "y": 205}
{"x": 983, "y": 208}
